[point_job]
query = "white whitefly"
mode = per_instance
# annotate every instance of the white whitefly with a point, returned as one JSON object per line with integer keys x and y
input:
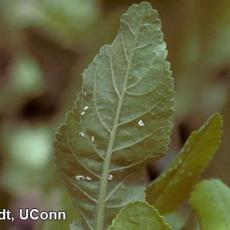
{"x": 82, "y": 134}
{"x": 88, "y": 178}
{"x": 92, "y": 138}
{"x": 80, "y": 177}
{"x": 110, "y": 177}
{"x": 86, "y": 107}
{"x": 141, "y": 123}
{"x": 82, "y": 113}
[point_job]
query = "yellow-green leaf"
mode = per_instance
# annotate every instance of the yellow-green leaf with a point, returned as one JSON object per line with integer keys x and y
{"x": 173, "y": 186}
{"x": 139, "y": 216}
{"x": 211, "y": 201}
{"x": 121, "y": 120}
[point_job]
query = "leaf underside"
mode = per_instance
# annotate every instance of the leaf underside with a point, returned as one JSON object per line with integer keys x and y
{"x": 211, "y": 201}
{"x": 120, "y": 120}
{"x": 174, "y": 185}
{"x": 139, "y": 216}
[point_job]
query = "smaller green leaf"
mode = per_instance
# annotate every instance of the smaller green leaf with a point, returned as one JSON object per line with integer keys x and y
{"x": 211, "y": 201}
{"x": 139, "y": 216}
{"x": 169, "y": 190}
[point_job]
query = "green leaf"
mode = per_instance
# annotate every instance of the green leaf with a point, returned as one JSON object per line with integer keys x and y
{"x": 173, "y": 186}
{"x": 139, "y": 216}
{"x": 120, "y": 120}
{"x": 211, "y": 201}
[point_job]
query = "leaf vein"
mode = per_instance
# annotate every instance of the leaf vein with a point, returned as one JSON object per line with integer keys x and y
{"x": 124, "y": 48}
{"x": 139, "y": 115}
{"x": 133, "y": 143}
{"x": 129, "y": 27}
{"x": 112, "y": 73}
{"x": 78, "y": 160}
{"x": 82, "y": 191}
{"x": 116, "y": 188}
{"x": 86, "y": 220}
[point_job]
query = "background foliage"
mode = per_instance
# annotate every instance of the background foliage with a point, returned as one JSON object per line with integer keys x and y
{"x": 44, "y": 47}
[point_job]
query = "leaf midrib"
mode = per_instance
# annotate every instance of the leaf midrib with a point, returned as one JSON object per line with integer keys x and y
{"x": 105, "y": 173}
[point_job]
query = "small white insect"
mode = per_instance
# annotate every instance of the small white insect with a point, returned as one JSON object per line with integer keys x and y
{"x": 92, "y": 138}
{"x": 110, "y": 177}
{"x": 82, "y": 113}
{"x": 80, "y": 177}
{"x": 82, "y": 134}
{"x": 86, "y": 107}
{"x": 141, "y": 123}
{"x": 88, "y": 178}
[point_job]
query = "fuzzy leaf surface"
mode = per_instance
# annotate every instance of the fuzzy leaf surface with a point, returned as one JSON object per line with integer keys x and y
{"x": 120, "y": 121}
{"x": 211, "y": 201}
{"x": 139, "y": 216}
{"x": 173, "y": 186}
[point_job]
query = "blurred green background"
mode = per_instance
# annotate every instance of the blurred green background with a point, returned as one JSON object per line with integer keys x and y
{"x": 44, "y": 47}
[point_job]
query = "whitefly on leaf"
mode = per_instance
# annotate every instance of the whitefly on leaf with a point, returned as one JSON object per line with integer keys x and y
{"x": 120, "y": 120}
